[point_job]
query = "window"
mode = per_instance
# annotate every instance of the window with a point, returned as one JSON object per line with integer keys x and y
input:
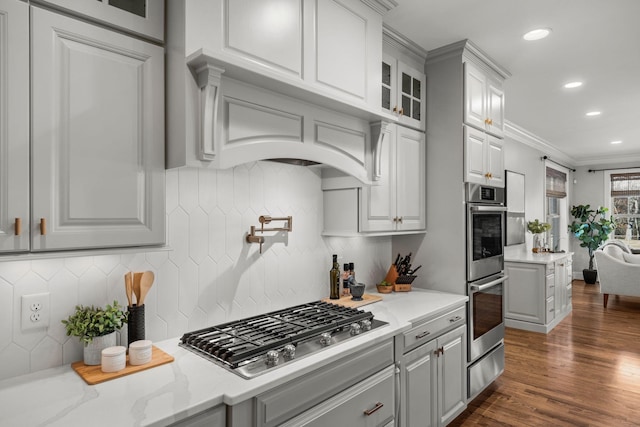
{"x": 624, "y": 204}
{"x": 557, "y": 209}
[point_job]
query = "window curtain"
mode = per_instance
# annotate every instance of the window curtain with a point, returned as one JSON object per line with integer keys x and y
{"x": 556, "y": 183}
{"x": 625, "y": 184}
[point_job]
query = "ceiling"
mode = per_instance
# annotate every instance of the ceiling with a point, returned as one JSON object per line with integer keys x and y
{"x": 595, "y": 41}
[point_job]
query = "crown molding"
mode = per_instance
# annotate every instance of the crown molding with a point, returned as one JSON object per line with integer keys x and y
{"x": 532, "y": 140}
{"x": 466, "y": 48}
{"x": 399, "y": 42}
{"x": 381, "y": 6}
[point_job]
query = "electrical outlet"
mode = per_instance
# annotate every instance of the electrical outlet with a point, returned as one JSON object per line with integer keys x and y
{"x": 35, "y": 311}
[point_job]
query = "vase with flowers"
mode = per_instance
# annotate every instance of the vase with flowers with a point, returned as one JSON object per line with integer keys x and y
{"x": 538, "y": 228}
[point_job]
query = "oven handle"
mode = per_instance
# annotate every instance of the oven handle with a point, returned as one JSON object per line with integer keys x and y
{"x": 491, "y": 208}
{"x": 478, "y": 288}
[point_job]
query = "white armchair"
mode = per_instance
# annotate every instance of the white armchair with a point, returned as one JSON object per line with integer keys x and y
{"x": 618, "y": 272}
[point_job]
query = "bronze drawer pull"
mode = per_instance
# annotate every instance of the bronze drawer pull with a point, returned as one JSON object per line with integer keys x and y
{"x": 422, "y": 335}
{"x": 374, "y": 409}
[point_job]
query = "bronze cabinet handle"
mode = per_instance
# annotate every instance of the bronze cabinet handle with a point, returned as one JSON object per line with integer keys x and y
{"x": 43, "y": 226}
{"x": 18, "y": 226}
{"x": 374, "y": 409}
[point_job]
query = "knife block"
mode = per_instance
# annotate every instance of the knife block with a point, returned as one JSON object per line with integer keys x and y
{"x": 135, "y": 324}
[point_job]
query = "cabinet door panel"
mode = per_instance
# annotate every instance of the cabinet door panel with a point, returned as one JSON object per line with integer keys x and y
{"x": 341, "y": 39}
{"x": 270, "y": 32}
{"x": 495, "y": 108}
{"x": 525, "y": 292}
{"x": 419, "y": 394}
{"x": 378, "y": 204}
{"x": 495, "y": 161}
{"x": 98, "y": 136}
{"x": 474, "y": 151}
{"x": 411, "y": 95}
{"x": 452, "y": 375}
{"x": 14, "y": 123}
{"x": 475, "y": 92}
{"x": 144, "y": 17}
{"x": 410, "y": 177}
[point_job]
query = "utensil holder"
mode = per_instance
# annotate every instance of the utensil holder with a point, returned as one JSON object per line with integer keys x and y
{"x": 135, "y": 324}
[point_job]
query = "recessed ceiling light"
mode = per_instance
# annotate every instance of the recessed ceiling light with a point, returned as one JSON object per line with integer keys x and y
{"x": 537, "y": 34}
{"x": 593, "y": 113}
{"x": 616, "y": 142}
{"x": 572, "y": 85}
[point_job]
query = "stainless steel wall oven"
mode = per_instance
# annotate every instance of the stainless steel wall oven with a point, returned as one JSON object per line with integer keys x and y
{"x": 485, "y": 285}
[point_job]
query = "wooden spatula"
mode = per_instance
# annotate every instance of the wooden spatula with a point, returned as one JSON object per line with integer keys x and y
{"x": 128, "y": 286}
{"x": 146, "y": 281}
{"x": 136, "y": 286}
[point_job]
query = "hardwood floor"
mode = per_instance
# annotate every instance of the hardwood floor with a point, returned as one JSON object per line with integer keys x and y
{"x": 586, "y": 372}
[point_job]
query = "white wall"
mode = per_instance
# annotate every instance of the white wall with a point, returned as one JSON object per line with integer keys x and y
{"x": 209, "y": 275}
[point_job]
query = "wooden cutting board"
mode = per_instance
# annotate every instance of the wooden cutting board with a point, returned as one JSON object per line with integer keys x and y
{"x": 346, "y": 300}
{"x": 92, "y": 374}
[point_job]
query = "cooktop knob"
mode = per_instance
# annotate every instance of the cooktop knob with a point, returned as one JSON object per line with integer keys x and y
{"x": 325, "y": 339}
{"x": 289, "y": 351}
{"x": 272, "y": 358}
{"x": 365, "y": 325}
{"x": 355, "y": 329}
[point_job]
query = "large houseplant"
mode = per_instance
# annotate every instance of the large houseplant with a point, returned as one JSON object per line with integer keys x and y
{"x": 95, "y": 327}
{"x": 592, "y": 228}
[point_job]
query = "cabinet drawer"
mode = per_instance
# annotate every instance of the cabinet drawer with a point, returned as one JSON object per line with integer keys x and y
{"x": 551, "y": 285}
{"x": 369, "y": 403}
{"x": 292, "y": 398}
{"x": 550, "y": 309}
{"x": 434, "y": 327}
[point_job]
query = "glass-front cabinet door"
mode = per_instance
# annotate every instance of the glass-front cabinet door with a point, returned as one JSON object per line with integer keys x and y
{"x": 142, "y": 17}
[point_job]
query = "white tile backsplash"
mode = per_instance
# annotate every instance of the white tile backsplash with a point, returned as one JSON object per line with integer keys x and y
{"x": 210, "y": 274}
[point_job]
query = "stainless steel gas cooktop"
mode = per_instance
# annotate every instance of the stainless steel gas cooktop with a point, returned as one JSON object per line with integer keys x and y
{"x": 251, "y": 346}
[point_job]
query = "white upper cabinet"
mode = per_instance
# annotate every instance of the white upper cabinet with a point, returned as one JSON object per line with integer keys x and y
{"x": 141, "y": 17}
{"x": 97, "y": 145}
{"x": 403, "y": 80}
{"x": 483, "y": 100}
{"x": 396, "y": 202}
{"x": 14, "y": 122}
{"x": 483, "y": 158}
{"x": 327, "y": 48}
{"x": 322, "y": 53}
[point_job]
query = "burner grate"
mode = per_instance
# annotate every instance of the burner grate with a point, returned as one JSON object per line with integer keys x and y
{"x": 241, "y": 341}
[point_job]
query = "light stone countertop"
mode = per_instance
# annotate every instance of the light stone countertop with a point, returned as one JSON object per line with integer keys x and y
{"x": 533, "y": 258}
{"x": 190, "y": 384}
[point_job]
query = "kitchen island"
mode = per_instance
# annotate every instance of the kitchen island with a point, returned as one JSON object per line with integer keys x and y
{"x": 190, "y": 385}
{"x": 538, "y": 291}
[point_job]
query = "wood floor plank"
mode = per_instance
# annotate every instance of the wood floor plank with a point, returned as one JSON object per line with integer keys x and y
{"x": 586, "y": 372}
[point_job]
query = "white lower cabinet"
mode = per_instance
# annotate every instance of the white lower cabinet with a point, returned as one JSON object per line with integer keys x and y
{"x": 369, "y": 403}
{"x": 214, "y": 417}
{"x": 433, "y": 376}
{"x": 538, "y": 294}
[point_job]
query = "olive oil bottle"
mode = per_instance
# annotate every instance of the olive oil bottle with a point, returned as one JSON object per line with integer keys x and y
{"x": 334, "y": 279}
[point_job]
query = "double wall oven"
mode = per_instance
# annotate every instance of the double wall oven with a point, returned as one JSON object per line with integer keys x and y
{"x": 485, "y": 285}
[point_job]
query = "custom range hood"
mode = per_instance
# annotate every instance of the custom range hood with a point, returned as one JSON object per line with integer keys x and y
{"x": 235, "y": 98}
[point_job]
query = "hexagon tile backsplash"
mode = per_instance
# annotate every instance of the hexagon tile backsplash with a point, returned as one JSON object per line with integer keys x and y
{"x": 208, "y": 274}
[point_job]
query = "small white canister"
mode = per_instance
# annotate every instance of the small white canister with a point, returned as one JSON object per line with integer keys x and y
{"x": 140, "y": 352}
{"x": 114, "y": 359}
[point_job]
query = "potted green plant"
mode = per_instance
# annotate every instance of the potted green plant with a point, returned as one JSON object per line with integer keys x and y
{"x": 592, "y": 228}
{"x": 537, "y": 228}
{"x": 96, "y": 328}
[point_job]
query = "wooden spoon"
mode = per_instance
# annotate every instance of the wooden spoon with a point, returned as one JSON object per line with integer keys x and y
{"x": 136, "y": 286}
{"x": 146, "y": 281}
{"x": 128, "y": 286}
